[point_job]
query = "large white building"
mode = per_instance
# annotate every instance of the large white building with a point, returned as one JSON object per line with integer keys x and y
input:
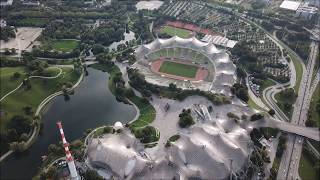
{"x": 290, "y": 5}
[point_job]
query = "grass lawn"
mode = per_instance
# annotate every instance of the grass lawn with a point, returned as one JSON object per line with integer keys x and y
{"x": 253, "y": 105}
{"x": 307, "y": 170}
{"x": 183, "y": 33}
{"x": 178, "y": 69}
{"x": 65, "y": 45}
{"x": 40, "y": 89}
{"x": 299, "y": 71}
{"x": 314, "y": 114}
{"x": 147, "y": 112}
{"x": 33, "y": 22}
{"x": 7, "y": 82}
{"x": 266, "y": 83}
{"x": 285, "y": 103}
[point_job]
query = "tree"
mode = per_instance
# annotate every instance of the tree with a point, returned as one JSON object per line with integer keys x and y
{"x": 27, "y": 110}
{"x": 241, "y": 73}
{"x": 256, "y": 117}
{"x": 16, "y": 75}
{"x": 24, "y": 137}
{"x": 51, "y": 172}
{"x": 54, "y": 149}
{"x": 97, "y": 49}
{"x": 172, "y": 87}
{"x": 92, "y": 175}
{"x": 241, "y": 91}
{"x": 18, "y": 146}
{"x": 271, "y": 112}
{"x": 20, "y": 123}
{"x": 185, "y": 119}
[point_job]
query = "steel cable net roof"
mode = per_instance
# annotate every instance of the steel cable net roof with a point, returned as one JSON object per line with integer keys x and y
{"x": 221, "y": 70}
{"x": 203, "y": 151}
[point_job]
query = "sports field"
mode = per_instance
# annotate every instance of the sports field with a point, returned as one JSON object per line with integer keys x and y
{"x": 65, "y": 45}
{"x": 183, "y": 33}
{"x": 178, "y": 69}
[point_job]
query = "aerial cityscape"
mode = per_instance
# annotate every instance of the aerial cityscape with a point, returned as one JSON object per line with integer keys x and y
{"x": 160, "y": 89}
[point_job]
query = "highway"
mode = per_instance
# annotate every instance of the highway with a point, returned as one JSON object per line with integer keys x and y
{"x": 289, "y": 165}
{"x": 291, "y": 156}
{"x": 301, "y": 112}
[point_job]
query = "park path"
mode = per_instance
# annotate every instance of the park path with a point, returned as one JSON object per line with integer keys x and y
{"x": 30, "y": 77}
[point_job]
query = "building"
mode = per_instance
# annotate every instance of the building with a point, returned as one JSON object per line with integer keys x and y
{"x": 3, "y": 23}
{"x": 30, "y": 3}
{"x": 290, "y": 5}
{"x": 6, "y": 3}
{"x": 306, "y": 11}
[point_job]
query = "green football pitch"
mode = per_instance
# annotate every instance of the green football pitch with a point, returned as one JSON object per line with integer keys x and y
{"x": 183, "y": 33}
{"x": 178, "y": 69}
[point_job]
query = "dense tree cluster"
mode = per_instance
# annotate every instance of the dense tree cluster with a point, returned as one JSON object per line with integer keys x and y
{"x": 16, "y": 133}
{"x": 54, "y": 54}
{"x": 286, "y": 99}
{"x": 141, "y": 27}
{"x": 185, "y": 118}
{"x": 105, "y": 34}
{"x": 7, "y": 32}
{"x": 241, "y": 91}
{"x": 256, "y": 117}
{"x": 67, "y": 29}
{"x": 146, "y": 134}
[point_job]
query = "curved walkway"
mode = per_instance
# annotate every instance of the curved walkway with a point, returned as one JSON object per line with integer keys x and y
{"x": 30, "y": 77}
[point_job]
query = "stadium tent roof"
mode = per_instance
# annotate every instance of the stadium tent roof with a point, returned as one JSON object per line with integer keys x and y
{"x": 176, "y": 41}
{"x": 290, "y": 5}
{"x": 117, "y": 152}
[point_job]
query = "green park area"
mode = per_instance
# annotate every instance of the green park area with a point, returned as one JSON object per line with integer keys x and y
{"x": 65, "y": 45}
{"x": 309, "y": 167}
{"x": 25, "y": 100}
{"x": 147, "y": 112}
{"x": 38, "y": 22}
{"x": 183, "y": 33}
{"x": 299, "y": 71}
{"x": 314, "y": 116}
{"x": 285, "y": 100}
{"x": 10, "y": 82}
{"x": 178, "y": 69}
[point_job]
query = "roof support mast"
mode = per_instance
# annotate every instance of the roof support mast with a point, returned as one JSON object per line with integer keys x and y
{"x": 72, "y": 167}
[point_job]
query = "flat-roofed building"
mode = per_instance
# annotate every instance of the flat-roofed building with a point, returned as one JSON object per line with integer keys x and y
{"x": 290, "y": 5}
{"x": 306, "y": 11}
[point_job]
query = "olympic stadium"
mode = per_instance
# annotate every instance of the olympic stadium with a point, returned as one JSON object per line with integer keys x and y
{"x": 188, "y": 63}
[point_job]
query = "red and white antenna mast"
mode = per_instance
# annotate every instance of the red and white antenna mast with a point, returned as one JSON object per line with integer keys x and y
{"x": 72, "y": 167}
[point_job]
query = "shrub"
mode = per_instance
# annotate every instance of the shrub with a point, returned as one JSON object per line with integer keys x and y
{"x": 256, "y": 117}
{"x": 185, "y": 119}
{"x": 174, "y": 138}
{"x": 107, "y": 130}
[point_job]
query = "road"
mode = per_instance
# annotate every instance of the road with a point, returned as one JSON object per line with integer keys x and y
{"x": 291, "y": 157}
{"x": 289, "y": 165}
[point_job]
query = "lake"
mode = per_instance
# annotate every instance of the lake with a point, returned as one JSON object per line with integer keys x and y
{"x": 91, "y": 106}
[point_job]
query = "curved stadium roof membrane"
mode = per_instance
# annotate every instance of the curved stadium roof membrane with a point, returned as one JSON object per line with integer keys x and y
{"x": 221, "y": 78}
